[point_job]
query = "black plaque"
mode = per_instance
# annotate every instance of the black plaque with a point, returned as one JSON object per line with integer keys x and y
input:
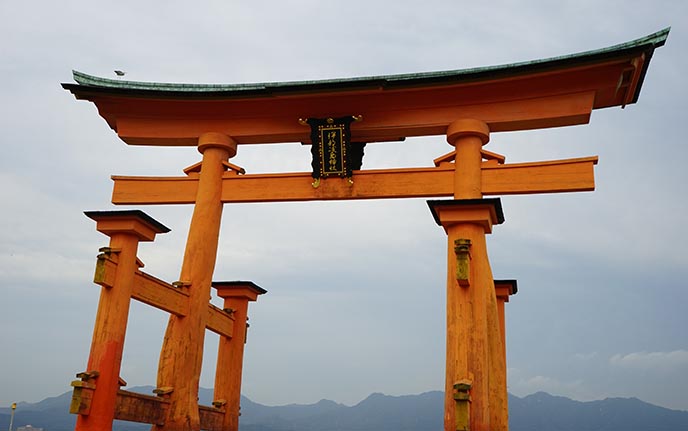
{"x": 333, "y": 152}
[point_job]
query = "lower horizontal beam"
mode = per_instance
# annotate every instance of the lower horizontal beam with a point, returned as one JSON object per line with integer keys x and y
{"x": 148, "y": 409}
{"x": 161, "y": 295}
{"x": 211, "y": 418}
{"x": 135, "y": 407}
{"x": 571, "y": 175}
{"x": 147, "y": 289}
{"x": 219, "y": 321}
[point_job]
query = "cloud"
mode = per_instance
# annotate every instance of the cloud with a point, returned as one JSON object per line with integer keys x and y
{"x": 656, "y": 377}
{"x": 585, "y": 356}
{"x": 651, "y": 360}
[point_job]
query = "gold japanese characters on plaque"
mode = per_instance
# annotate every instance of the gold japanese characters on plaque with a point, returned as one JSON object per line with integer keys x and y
{"x": 333, "y": 153}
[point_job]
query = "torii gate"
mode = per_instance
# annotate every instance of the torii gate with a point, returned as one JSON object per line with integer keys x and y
{"x": 467, "y": 106}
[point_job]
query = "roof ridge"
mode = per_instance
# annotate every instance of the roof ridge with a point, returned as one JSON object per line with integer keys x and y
{"x": 649, "y": 42}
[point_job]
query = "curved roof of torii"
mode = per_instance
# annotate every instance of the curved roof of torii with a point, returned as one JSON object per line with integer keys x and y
{"x": 542, "y": 93}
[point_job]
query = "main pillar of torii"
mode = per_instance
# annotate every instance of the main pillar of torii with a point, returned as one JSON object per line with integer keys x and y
{"x": 474, "y": 341}
{"x": 468, "y": 106}
{"x": 182, "y": 350}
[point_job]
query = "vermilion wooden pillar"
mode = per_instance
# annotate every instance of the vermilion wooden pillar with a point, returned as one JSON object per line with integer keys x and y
{"x": 504, "y": 289}
{"x": 182, "y": 351}
{"x": 125, "y": 229}
{"x": 474, "y": 352}
{"x": 473, "y": 338}
{"x": 230, "y": 355}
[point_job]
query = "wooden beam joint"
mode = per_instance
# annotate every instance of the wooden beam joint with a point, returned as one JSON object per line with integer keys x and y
{"x": 82, "y": 395}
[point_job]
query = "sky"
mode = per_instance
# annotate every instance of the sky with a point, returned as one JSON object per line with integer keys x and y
{"x": 601, "y": 307}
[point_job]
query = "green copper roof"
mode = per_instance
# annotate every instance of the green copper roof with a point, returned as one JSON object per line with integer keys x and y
{"x": 646, "y": 44}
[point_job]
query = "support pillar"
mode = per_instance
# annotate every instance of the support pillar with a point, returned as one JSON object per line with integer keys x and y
{"x": 474, "y": 354}
{"x": 230, "y": 356}
{"x": 101, "y": 379}
{"x": 504, "y": 289}
{"x": 471, "y": 343}
{"x": 182, "y": 351}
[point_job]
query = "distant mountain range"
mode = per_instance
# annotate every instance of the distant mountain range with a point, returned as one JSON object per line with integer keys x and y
{"x": 378, "y": 412}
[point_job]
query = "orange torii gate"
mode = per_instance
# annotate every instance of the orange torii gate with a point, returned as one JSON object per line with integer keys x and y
{"x": 467, "y": 106}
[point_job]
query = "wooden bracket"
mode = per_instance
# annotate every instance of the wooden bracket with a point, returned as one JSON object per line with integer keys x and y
{"x": 87, "y": 375}
{"x": 109, "y": 250}
{"x": 162, "y": 391}
{"x": 181, "y": 284}
{"x": 82, "y": 395}
{"x": 196, "y": 168}
{"x": 462, "y": 248}
{"x": 234, "y": 168}
{"x": 487, "y": 155}
{"x": 112, "y": 254}
{"x": 218, "y": 404}
{"x": 446, "y": 158}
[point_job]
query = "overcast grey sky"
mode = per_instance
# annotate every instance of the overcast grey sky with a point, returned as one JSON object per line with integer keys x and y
{"x": 601, "y": 308}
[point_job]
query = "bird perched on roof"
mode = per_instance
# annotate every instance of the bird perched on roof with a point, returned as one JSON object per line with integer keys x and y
{"x": 120, "y": 73}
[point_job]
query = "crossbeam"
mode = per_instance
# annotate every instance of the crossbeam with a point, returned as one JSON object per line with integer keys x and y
{"x": 557, "y": 176}
{"x": 211, "y": 418}
{"x": 219, "y": 321}
{"x": 135, "y": 407}
{"x": 159, "y": 294}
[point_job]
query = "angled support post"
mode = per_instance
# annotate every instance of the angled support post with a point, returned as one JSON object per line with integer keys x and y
{"x": 96, "y": 392}
{"x": 230, "y": 356}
